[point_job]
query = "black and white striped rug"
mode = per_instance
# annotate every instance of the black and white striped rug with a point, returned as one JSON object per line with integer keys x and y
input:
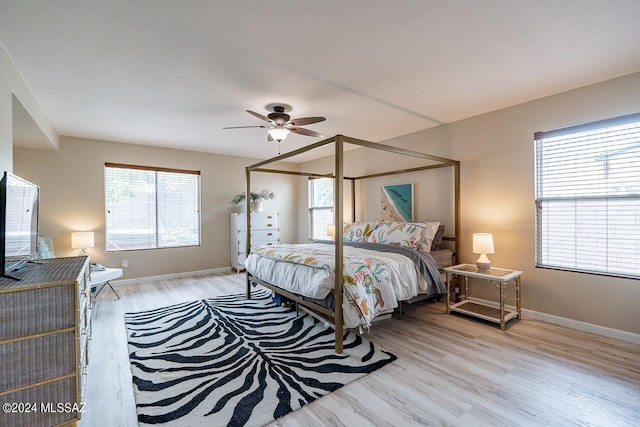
{"x": 232, "y": 361}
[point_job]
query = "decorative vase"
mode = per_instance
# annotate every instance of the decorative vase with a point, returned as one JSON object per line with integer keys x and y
{"x": 256, "y": 207}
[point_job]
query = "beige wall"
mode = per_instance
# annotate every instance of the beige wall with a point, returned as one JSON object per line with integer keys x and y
{"x": 497, "y": 155}
{"x": 496, "y": 151}
{"x": 433, "y": 189}
{"x": 72, "y": 199}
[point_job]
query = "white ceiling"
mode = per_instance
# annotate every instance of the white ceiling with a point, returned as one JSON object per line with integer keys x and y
{"x": 174, "y": 73}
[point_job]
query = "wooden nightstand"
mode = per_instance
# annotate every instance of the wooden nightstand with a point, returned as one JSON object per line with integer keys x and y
{"x": 500, "y": 277}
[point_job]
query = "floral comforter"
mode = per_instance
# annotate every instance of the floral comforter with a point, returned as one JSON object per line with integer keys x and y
{"x": 367, "y": 285}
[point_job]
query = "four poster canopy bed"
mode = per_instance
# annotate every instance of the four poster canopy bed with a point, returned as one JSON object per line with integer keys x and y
{"x": 369, "y": 268}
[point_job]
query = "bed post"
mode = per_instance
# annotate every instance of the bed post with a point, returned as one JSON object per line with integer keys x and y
{"x": 457, "y": 211}
{"x": 338, "y": 203}
{"x": 353, "y": 200}
{"x": 248, "y": 210}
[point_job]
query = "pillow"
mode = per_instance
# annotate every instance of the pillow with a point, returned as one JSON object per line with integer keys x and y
{"x": 437, "y": 239}
{"x": 358, "y": 231}
{"x": 45, "y": 248}
{"x": 426, "y": 241}
{"x": 403, "y": 234}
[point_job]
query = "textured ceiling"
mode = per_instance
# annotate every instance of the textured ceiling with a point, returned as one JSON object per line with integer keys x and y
{"x": 173, "y": 74}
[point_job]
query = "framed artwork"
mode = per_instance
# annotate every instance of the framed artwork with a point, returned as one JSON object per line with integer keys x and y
{"x": 396, "y": 202}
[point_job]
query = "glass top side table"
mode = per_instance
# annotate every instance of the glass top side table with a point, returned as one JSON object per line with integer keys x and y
{"x": 500, "y": 277}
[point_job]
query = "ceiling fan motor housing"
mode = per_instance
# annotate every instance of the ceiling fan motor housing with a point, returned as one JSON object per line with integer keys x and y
{"x": 279, "y": 117}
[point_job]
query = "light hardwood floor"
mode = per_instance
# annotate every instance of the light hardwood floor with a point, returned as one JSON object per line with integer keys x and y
{"x": 451, "y": 370}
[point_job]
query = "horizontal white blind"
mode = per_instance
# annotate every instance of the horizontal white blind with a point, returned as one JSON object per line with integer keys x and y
{"x": 588, "y": 197}
{"x": 150, "y": 208}
{"x": 320, "y": 207}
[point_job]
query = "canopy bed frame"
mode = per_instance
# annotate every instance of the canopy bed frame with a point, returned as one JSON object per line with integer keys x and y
{"x": 435, "y": 162}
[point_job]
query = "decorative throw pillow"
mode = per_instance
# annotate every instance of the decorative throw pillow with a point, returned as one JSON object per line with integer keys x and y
{"x": 426, "y": 240}
{"x": 358, "y": 231}
{"x": 45, "y": 248}
{"x": 437, "y": 239}
{"x": 404, "y": 234}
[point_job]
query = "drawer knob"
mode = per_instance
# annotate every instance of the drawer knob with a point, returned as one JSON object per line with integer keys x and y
{"x": 269, "y": 234}
{"x": 269, "y": 225}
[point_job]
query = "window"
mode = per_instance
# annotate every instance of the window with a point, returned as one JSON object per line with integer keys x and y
{"x": 148, "y": 208}
{"x": 320, "y": 207}
{"x": 588, "y": 197}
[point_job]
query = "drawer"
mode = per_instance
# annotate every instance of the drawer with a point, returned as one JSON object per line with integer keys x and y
{"x": 259, "y": 221}
{"x": 37, "y": 311}
{"x": 84, "y": 302}
{"x": 35, "y": 360}
{"x": 257, "y": 243}
{"x": 265, "y": 222}
{"x": 264, "y": 235}
{"x": 242, "y": 257}
{"x": 84, "y": 350}
{"x": 259, "y": 239}
{"x": 49, "y": 394}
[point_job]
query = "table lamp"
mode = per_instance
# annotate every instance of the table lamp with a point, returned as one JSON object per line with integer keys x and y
{"x": 331, "y": 231}
{"x": 82, "y": 240}
{"x": 483, "y": 245}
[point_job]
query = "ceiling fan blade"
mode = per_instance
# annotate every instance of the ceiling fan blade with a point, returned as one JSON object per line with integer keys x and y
{"x": 306, "y": 121}
{"x": 258, "y": 115}
{"x": 306, "y": 132}
{"x": 244, "y": 127}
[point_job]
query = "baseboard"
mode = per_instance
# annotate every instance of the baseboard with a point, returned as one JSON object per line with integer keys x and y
{"x": 169, "y": 276}
{"x": 569, "y": 323}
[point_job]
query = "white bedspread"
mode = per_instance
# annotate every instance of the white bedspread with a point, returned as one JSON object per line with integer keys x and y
{"x": 314, "y": 282}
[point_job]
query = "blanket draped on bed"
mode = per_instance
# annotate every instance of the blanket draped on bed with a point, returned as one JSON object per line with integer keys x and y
{"x": 367, "y": 282}
{"x": 424, "y": 261}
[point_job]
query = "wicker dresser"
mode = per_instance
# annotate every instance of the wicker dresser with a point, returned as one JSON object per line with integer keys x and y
{"x": 45, "y": 329}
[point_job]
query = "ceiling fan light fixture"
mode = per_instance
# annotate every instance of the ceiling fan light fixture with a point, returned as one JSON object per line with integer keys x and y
{"x": 279, "y": 134}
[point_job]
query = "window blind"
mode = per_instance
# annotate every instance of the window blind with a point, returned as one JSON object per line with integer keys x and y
{"x": 320, "y": 207}
{"x": 588, "y": 197}
{"x": 149, "y": 208}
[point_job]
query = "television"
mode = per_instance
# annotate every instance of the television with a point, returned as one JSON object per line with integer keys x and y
{"x": 19, "y": 201}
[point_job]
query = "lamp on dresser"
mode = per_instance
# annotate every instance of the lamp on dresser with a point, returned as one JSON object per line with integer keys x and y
{"x": 82, "y": 240}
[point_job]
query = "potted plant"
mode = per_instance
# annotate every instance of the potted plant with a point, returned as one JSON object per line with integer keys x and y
{"x": 256, "y": 198}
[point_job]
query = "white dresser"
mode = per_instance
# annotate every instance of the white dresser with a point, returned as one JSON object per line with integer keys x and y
{"x": 265, "y": 230}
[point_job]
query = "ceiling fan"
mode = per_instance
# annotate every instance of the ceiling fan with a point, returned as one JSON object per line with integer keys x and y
{"x": 281, "y": 124}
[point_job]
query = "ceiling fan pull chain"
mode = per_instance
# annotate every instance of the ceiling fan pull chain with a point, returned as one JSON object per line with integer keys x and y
{"x": 278, "y": 148}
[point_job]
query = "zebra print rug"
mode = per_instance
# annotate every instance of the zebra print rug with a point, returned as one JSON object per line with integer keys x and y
{"x": 232, "y": 361}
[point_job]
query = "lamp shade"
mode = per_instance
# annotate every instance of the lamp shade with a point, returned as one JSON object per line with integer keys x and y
{"x": 82, "y": 239}
{"x": 279, "y": 134}
{"x": 331, "y": 230}
{"x": 483, "y": 243}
